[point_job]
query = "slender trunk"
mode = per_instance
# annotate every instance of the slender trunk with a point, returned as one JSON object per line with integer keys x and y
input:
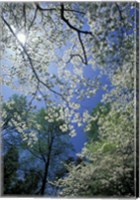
{"x": 46, "y": 170}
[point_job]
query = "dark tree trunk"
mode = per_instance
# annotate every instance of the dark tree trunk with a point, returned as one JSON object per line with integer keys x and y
{"x": 46, "y": 169}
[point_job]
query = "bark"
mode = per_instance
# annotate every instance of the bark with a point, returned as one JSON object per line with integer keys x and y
{"x": 46, "y": 169}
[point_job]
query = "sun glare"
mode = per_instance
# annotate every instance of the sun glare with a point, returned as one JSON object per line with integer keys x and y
{"x": 21, "y": 37}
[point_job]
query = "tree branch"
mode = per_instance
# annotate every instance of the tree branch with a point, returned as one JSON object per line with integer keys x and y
{"x": 120, "y": 13}
{"x": 30, "y": 62}
{"x": 24, "y": 15}
{"x": 121, "y": 18}
{"x": 76, "y": 55}
{"x": 45, "y": 9}
{"x": 83, "y": 47}
{"x": 34, "y": 154}
{"x": 69, "y": 24}
{"x": 56, "y": 9}
{"x": 76, "y": 11}
{"x": 79, "y": 32}
{"x": 40, "y": 150}
{"x": 32, "y": 22}
{"x": 15, "y": 18}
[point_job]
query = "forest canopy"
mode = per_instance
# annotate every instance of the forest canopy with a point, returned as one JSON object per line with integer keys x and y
{"x": 71, "y": 70}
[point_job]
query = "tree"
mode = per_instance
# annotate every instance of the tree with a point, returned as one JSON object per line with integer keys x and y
{"x": 92, "y": 129}
{"x": 51, "y": 147}
{"x": 27, "y": 186}
{"x": 59, "y": 53}
{"x": 108, "y": 169}
{"x": 53, "y": 46}
{"x": 108, "y": 166}
{"x": 10, "y": 168}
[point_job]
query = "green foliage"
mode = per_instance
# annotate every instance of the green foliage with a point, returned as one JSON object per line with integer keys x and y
{"x": 29, "y": 185}
{"x": 15, "y": 109}
{"x": 38, "y": 159}
{"x": 93, "y": 128}
{"x": 109, "y": 166}
{"x": 10, "y": 167}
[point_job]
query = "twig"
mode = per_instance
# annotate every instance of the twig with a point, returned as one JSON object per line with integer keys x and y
{"x": 69, "y": 24}
{"x": 79, "y": 32}
{"x": 75, "y": 55}
{"x": 121, "y": 18}
{"x": 83, "y": 47}
{"x": 56, "y": 9}
{"x": 24, "y": 15}
{"x": 30, "y": 62}
{"x": 32, "y": 22}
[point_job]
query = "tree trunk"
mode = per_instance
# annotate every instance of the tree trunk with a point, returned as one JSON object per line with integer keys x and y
{"x": 46, "y": 170}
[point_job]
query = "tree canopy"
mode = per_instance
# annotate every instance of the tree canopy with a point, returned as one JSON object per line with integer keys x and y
{"x": 60, "y": 56}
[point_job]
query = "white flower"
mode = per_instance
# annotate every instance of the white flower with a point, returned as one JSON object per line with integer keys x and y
{"x": 63, "y": 127}
{"x": 73, "y": 133}
{"x": 79, "y": 124}
{"x": 46, "y": 117}
{"x": 50, "y": 120}
{"x": 86, "y": 116}
{"x": 71, "y": 127}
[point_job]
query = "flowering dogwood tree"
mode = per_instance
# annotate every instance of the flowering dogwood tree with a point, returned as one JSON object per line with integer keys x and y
{"x": 49, "y": 48}
{"x": 58, "y": 54}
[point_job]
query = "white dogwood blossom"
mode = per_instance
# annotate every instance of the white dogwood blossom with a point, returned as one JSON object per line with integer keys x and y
{"x": 59, "y": 56}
